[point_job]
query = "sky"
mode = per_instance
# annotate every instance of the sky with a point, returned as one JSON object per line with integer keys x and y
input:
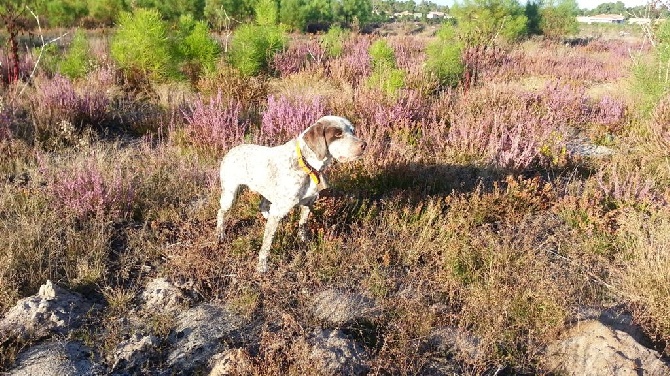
{"x": 588, "y": 4}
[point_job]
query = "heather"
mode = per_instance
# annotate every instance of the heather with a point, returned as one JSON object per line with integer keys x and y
{"x": 505, "y": 189}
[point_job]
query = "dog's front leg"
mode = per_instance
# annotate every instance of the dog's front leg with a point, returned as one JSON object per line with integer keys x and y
{"x": 270, "y": 229}
{"x": 304, "y": 215}
{"x": 274, "y": 216}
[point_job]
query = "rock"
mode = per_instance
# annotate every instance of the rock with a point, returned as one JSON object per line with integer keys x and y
{"x": 162, "y": 295}
{"x": 231, "y": 362}
{"x": 584, "y": 149}
{"x": 453, "y": 340}
{"x": 340, "y": 308}
{"x": 52, "y": 310}
{"x": 333, "y": 353}
{"x": 200, "y": 333}
{"x": 593, "y": 348}
{"x": 56, "y": 359}
{"x": 135, "y": 353}
{"x": 440, "y": 367}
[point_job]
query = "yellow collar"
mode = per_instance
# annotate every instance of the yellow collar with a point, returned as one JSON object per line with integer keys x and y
{"x": 311, "y": 171}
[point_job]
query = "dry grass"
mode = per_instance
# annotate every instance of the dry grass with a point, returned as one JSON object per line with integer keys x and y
{"x": 433, "y": 226}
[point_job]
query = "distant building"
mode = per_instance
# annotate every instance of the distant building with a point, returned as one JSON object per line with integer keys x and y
{"x": 436, "y": 15}
{"x": 406, "y": 15}
{"x": 432, "y": 15}
{"x": 602, "y": 18}
{"x": 639, "y": 21}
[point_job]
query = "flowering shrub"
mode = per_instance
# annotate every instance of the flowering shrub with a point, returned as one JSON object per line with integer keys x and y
{"x": 409, "y": 51}
{"x": 483, "y": 63}
{"x": 300, "y": 54}
{"x": 572, "y": 64}
{"x": 84, "y": 190}
{"x": 284, "y": 118}
{"x": 214, "y": 125}
{"x": 620, "y": 185}
{"x": 507, "y": 128}
{"x": 610, "y": 112}
{"x": 26, "y": 65}
{"x": 56, "y": 103}
{"x": 354, "y": 64}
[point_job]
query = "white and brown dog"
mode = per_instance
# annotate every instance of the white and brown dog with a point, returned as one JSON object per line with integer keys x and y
{"x": 286, "y": 175}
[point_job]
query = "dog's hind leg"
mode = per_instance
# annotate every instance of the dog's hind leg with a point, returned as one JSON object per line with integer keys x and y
{"x": 264, "y": 207}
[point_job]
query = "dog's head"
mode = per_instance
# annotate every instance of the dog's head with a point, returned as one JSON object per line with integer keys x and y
{"x": 333, "y": 136}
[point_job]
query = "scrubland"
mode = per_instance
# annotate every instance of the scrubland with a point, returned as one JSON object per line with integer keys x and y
{"x": 488, "y": 206}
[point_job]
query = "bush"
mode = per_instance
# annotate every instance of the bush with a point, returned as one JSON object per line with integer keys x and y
{"x": 333, "y": 41}
{"x": 382, "y": 55}
{"x": 77, "y": 62}
{"x": 651, "y": 73}
{"x": 216, "y": 125}
{"x": 253, "y": 47}
{"x": 141, "y": 46}
{"x": 482, "y": 22}
{"x": 198, "y": 50}
{"x": 559, "y": 19}
{"x": 283, "y": 118}
{"x": 385, "y": 74}
{"x": 59, "y": 113}
{"x": 387, "y": 80}
{"x": 444, "y": 59}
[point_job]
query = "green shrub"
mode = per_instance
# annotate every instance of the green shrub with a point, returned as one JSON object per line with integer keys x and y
{"x": 266, "y": 12}
{"x": 382, "y": 55}
{"x": 195, "y": 45}
{"x": 77, "y": 61}
{"x": 651, "y": 73}
{"x": 333, "y": 41}
{"x": 385, "y": 74}
{"x": 388, "y": 80}
{"x": 445, "y": 57}
{"x": 253, "y": 46}
{"x": 141, "y": 46}
{"x": 485, "y": 22}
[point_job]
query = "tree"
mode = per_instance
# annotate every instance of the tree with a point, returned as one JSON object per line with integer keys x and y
{"x": 318, "y": 12}
{"x": 106, "y": 12}
{"x": 173, "y": 9}
{"x": 293, "y": 14}
{"x": 141, "y": 46}
{"x": 532, "y": 12}
{"x": 64, "y": 13}
{"x": 223, "y": 13}
{"x": 347, "y": 11}
{"x": 444, "y": 57}
{"x": 482, "y": 22}
{"x": 559, "y": 19}
{"x": 12, "y": 14}
{"x": 610, "y": 8}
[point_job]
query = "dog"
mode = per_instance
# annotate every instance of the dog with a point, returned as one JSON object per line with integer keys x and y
{"x": 286, "y": 175}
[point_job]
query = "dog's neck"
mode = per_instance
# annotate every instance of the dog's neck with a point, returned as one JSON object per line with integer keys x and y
{"x": 310, "y": 158}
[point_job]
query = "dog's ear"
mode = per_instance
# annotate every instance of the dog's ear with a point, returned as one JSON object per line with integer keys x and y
{"x": 315, "y": 138}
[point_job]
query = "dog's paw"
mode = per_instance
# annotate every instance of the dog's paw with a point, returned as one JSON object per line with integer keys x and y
{"x": 303, "y": 235}
{"x": 220, "y": 236}
{"x": 262, "y": 266}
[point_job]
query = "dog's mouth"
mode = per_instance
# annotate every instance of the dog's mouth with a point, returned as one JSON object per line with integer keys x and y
{"x": 350, "y": 158}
